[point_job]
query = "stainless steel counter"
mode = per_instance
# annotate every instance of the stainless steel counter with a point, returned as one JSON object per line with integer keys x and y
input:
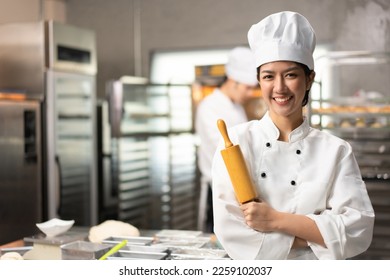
{"x": 151, "y": 244}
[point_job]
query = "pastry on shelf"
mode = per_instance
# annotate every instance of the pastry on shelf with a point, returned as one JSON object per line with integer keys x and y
{"x": 330, "y": 125}
{"x": 325, "y": 110}
{"x": 345, "y": 124}
{"x": 384, "y": 109}
{"x": 373, "y": 109}
{"x": 358, "y": 109}
{"x": 360, "y": 123}
{"x": 376, "y": 125}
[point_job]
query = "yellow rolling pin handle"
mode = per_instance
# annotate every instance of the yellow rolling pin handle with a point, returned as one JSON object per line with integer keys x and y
{"x": 113, "y": 250}
{"x": 238, "y": 172}
{"x": 223, "y": 130}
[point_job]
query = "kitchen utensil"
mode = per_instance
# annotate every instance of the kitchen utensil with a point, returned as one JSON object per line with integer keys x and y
{"x": 235, "y": 164}
{"x": 114, "y": 249}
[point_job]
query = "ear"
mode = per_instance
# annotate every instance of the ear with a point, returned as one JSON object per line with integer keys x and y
{"x": 310, "y": 80}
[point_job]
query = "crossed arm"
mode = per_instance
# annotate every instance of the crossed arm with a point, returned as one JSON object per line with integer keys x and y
{"x": 261, "y": 217}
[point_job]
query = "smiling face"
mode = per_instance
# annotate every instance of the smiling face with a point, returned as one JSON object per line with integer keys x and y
{"x": 283, "y": 85}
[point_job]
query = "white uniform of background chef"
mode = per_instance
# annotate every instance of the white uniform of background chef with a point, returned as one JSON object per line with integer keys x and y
{"x": 314, "y": 203}
{"x": 224, "y": 103}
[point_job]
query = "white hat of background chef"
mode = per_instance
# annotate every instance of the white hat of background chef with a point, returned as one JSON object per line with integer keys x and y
{"x": 241, "y": 66}
{"x": 283, "y": 36}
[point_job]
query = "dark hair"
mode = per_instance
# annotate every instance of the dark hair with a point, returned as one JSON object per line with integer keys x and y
{"x": 307, "y": 71}
{"x": 222, "y": 81}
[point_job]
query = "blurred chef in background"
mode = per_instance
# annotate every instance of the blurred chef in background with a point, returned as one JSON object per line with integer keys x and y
{"x": 226, "y": 102}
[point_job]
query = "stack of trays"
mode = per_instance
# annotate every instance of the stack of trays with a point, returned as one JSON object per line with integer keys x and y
{"x": 189, "y": 245}
{"x": 167, "y": 245}
{"x": 131, "y": 240}
{"x": 180, "y": 238}
{"x": 84, "y": 250}
{"x": 136, "y": 248}
{"x": 198, "y": 254}
{"x": 134, "y": 252}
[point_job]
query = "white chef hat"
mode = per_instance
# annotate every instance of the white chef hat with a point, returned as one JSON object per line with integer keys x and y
{"x": 283, "y": 36}
{"x": 241, "y": 66}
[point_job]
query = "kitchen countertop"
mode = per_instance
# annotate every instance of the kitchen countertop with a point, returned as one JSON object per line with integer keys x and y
{"x": 181, "y": 244}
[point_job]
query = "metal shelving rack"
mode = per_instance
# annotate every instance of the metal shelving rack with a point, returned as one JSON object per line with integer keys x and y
{"x": 155, "y": 158}
{"x": 353, "y": 102}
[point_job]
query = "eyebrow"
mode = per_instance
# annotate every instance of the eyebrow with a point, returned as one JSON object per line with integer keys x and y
{"x": 287, "y": 70}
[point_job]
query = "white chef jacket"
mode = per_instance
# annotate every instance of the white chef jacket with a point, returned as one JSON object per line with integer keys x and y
{"x": 215, "y": 106}
{"x": 314, "y": 174}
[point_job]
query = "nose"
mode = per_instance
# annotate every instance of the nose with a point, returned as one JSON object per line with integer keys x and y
{"x": 279, "y": 84}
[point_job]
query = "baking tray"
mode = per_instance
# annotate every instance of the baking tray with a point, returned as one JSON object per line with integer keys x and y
{"x": 133, "y": 255}
{"x": 193, "y": 257}
{"x": 145, "y": 249}
{"x": 84, "y": 250}
{"x": 181, "y": 242}
{"x": 138, "y": 240}
{"x": 198, "y": 253}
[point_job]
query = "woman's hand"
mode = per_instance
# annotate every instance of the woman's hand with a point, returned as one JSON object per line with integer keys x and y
{"x": 260, "y": 216}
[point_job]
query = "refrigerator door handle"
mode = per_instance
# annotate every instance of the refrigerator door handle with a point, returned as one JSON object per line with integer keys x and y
{"x": 30, "y": 137}
{"x": 58, "y": 186}
{"x": 111, "y": 188}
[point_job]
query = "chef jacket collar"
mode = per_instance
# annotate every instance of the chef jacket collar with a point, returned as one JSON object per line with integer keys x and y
{"x": 273, "y": 132}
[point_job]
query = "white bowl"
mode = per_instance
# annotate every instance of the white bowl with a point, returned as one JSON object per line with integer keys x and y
{"x": 55, "y": 227}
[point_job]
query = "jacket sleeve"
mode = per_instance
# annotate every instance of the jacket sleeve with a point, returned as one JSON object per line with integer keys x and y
{"x": 347, "y": 223}
{"x": 239, "y": 240}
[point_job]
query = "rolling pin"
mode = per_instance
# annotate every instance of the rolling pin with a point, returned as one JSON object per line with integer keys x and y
{"x": 238, "y": 172}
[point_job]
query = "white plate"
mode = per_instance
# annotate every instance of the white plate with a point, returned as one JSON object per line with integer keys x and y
{"x": 55, "y": 227}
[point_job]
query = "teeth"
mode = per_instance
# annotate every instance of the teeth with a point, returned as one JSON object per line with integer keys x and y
{"x": 281, "y": 99}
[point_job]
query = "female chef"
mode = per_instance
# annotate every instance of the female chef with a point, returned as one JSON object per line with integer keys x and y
{"x": 313, "y": 203}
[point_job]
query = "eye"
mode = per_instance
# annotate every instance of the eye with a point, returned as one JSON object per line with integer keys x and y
{"x": 267, "y": 77}
{"x": 291, "y": 75}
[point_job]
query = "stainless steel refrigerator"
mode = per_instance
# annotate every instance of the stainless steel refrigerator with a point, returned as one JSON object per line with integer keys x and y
{"x": 20, "y": 166}
{"x": 56, "y": 63}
